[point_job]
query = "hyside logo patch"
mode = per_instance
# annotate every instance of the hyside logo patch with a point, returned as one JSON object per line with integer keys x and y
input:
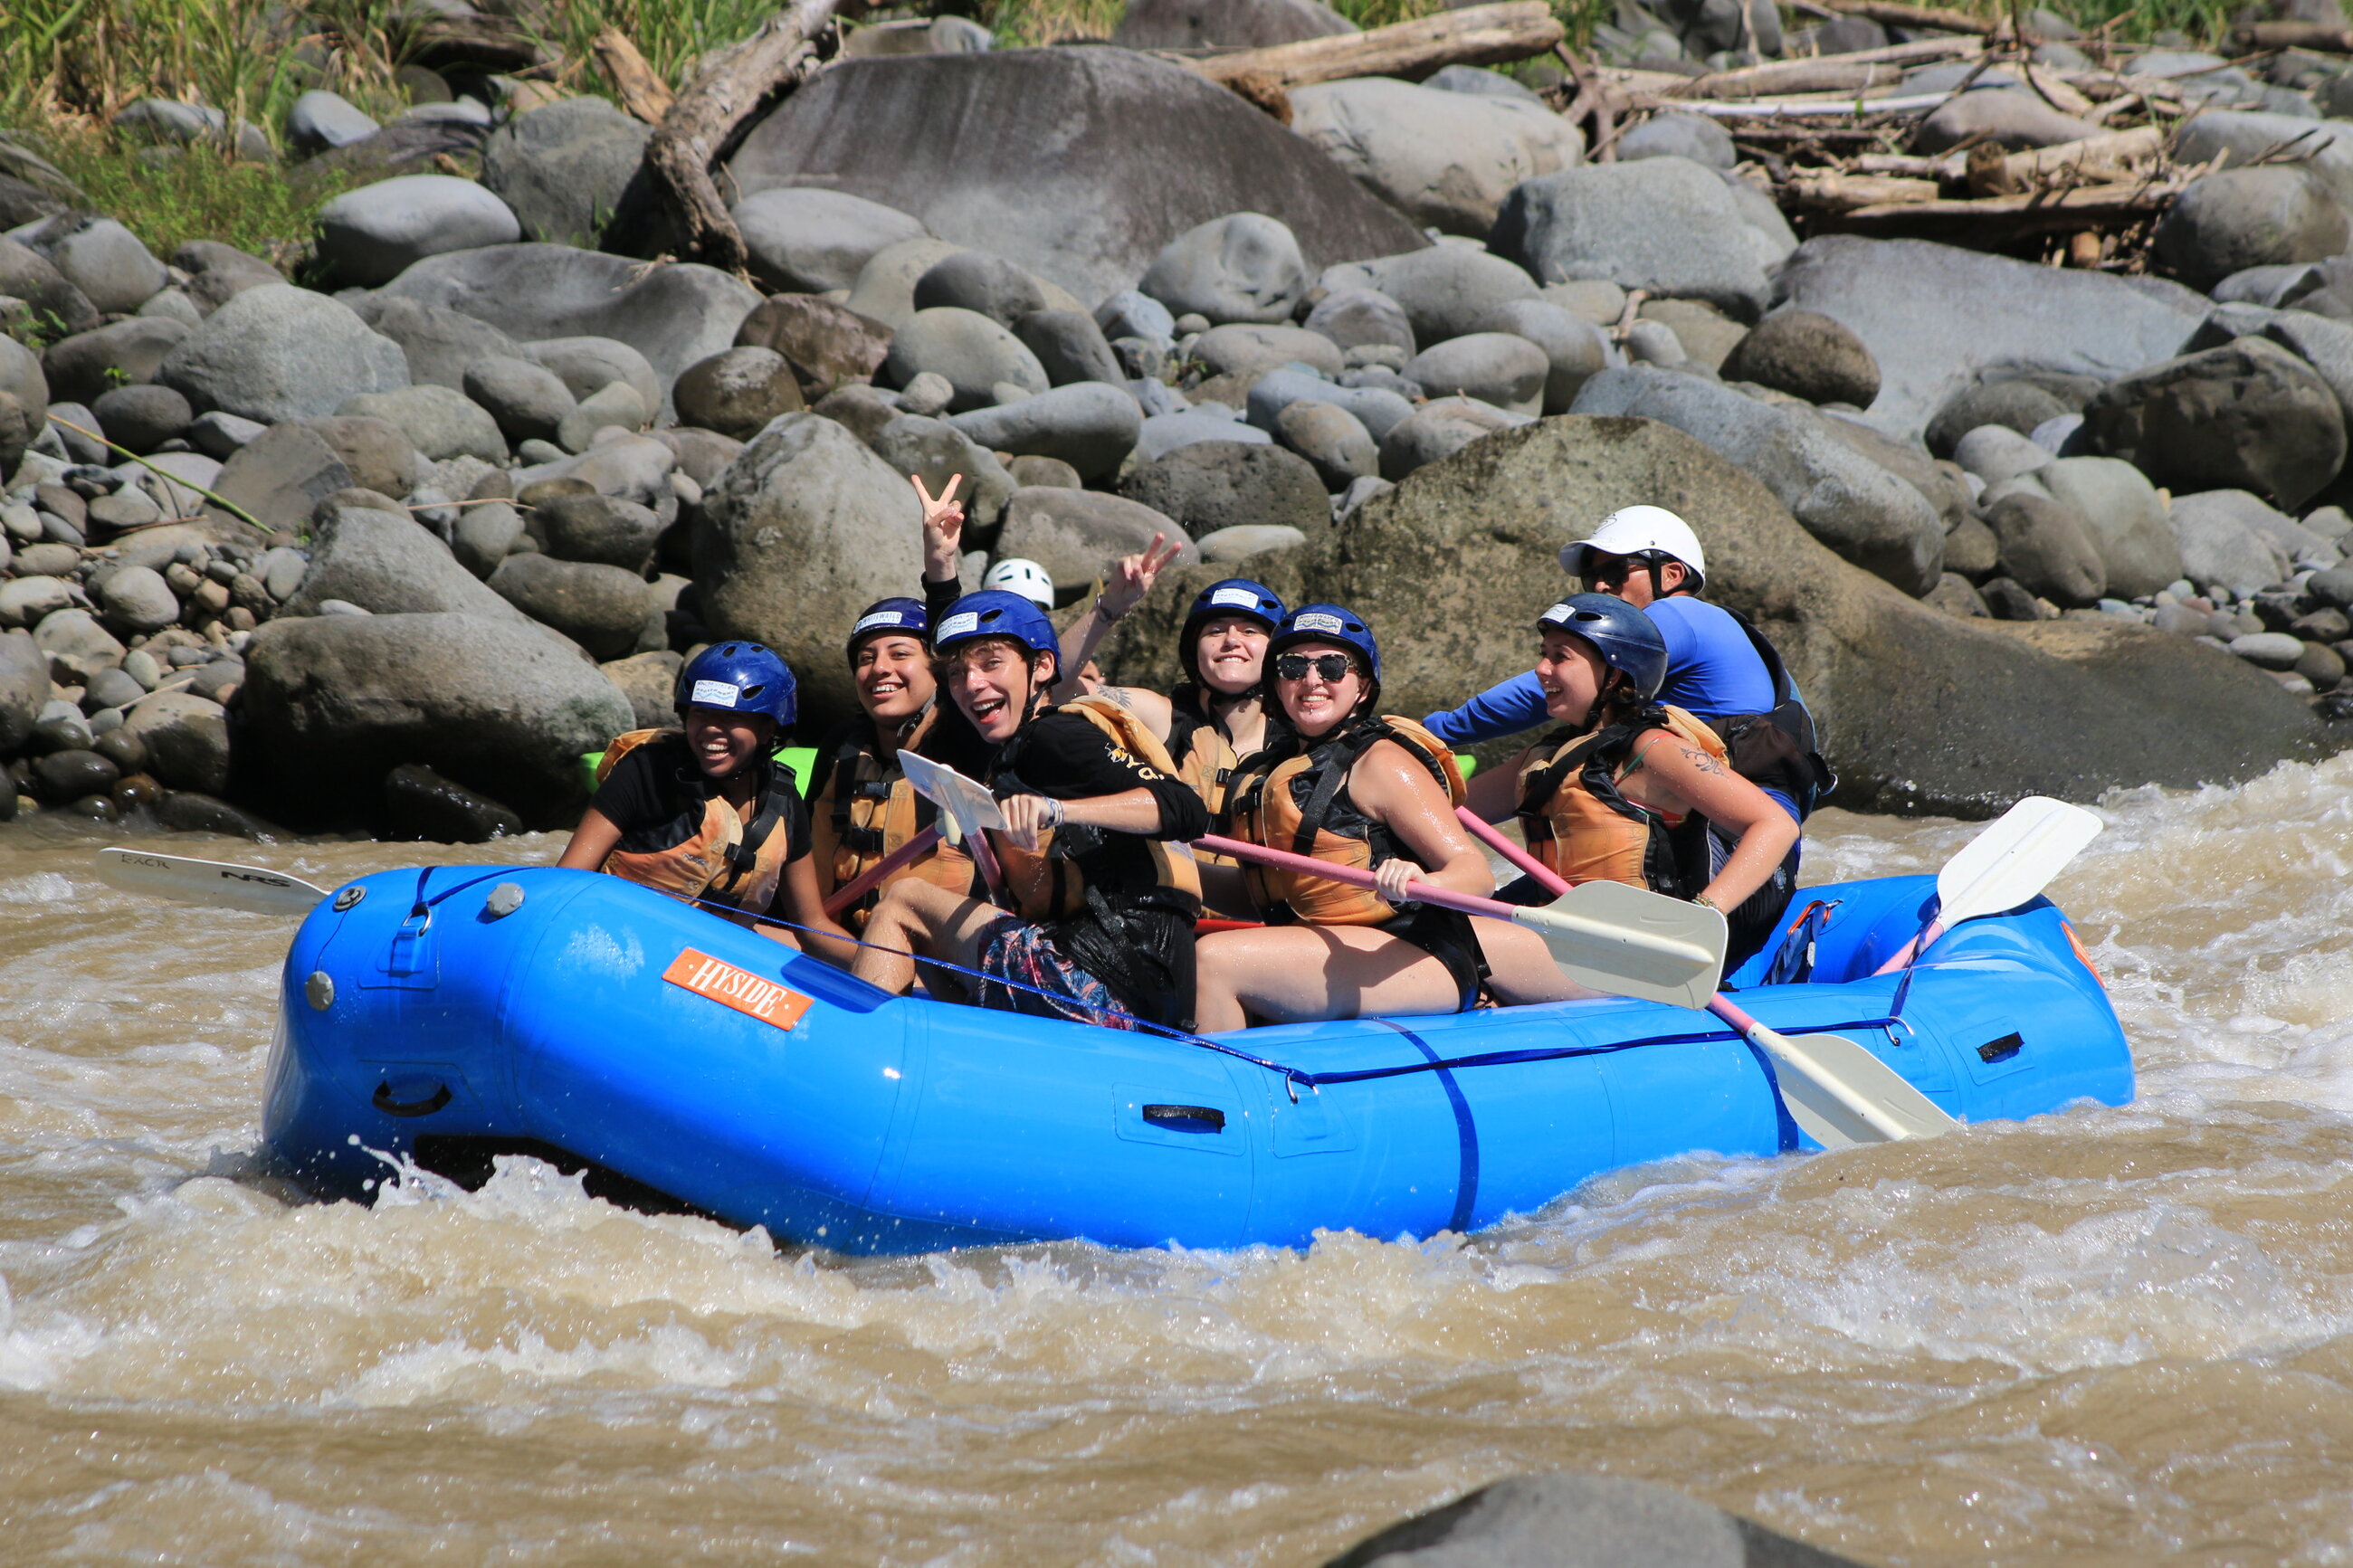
{"x": 738, "y": 988}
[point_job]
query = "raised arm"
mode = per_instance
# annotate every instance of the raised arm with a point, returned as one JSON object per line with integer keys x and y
{"x": 1505, "y": 709}
{"x": 1130, "y": 578}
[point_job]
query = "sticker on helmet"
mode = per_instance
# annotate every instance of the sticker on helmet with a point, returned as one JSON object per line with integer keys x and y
{"x": 879, "y": 618}
{"x": 1316, "y": 620}
{"x": 1559, "y": 612}
{"x": 958, "y": 625}
{"x": 1241, "y": 597}
{"x": 711, "y": 694}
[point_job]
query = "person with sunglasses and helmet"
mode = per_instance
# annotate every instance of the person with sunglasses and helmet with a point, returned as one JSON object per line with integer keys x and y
{"x": 1631, "y": 789}
{"x": 1086, "y": 897}
{"x": 703, "y": 812}
{"x": 1340, "y": 781}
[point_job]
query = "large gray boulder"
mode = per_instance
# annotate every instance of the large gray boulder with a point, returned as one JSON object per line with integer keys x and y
{"x": 1225, "y": 24}
{"x": 1666, "y": 225}
{"x": 2247, "y": 415}
{"x": 936, "y": 451}
{"x": 1575, "y": 350}
{"x": 2233, "y": 219}
{"x": 805, "y": 528}
{"x": 1035, "y": 155}
{"x": 279, "y": 353}
{"x": 2220, "y": 545}
{"x": 2324, "y": 146}
{"x": 1850, "y": 503}
{"x": 603, "y": 608}
{"x": 1582, "y": 1521}
{"x": 1377, "y": 409}
{"x": 82, "y": 368}
{"x": 2125, "y": 517}
{"x": 99, "y": 257}
{"x": 1090, "y": 425}
{"x": 1445, "y": 290}
{"x": 372, "y": 235}
{"x": 806, "y": 240}
{"x": 1076, "y": 535}
{"x": 672, "y": 314}
{"x": 1446, "y": 160}
{"x": 186, "y": 737}
{"x": 438, "y": 342}
{"x": 1501, "y": 368}
{"x": 1919, "y": 710}
{"x": 389, "y": 565}
{"x": 1440, "y": 428}
{"x": 332, "y": 703}
{"x": 25, "y": 274}
{"x": 572, "y": 171}
{"x": 1214, "y": 485}
{"x": 1937, "y": 319}
{"x": 25, "y": 391}
{"x": 439, "y": 423}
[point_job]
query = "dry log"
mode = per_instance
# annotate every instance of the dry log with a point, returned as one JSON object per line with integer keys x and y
{"x": 1826, "y": 105}
{"x": 2106, "y": 155}
{"x": 1909, "y": 165}
{"x": 1886, "y": 11}
{"x": 470, "y": 43}
{"x": 1834, "y": 192}
{"x": 1998, "y": 219}
{"x": 700, "y": 124}
{"x": 1476, "y": 35}
{"x": 1863, "y": 68}
{"x": 643, "y": 93}
{"x": 2318, "y": 36}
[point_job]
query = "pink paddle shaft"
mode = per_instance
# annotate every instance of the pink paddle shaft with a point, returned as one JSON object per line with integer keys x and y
{"x": 1443, "y": 897}
{"x": 1721, "y": 1006}
{"x": 1905, "y": 953}
{"x": 871, "y": 878}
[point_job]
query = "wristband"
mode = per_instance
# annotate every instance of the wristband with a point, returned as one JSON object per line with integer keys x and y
{"x": 1705, "y": 902}
{"x": 1104, "y": 616}
{"x": 1053, "y": 812}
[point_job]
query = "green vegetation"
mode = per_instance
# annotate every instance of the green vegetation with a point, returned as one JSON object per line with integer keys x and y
{"x": 200, "y": 193}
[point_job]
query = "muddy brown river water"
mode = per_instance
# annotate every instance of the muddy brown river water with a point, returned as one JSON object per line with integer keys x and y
{"x": 2109, "y": 1336}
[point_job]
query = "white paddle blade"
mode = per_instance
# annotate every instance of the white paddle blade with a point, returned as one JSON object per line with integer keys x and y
{"x": 215, "y": 882}
{"x": 2014, "y": 859}
{"x": 966, "y": 806}
{"x": 1630, "y": 941}
{"x": 1840, "y": 1093}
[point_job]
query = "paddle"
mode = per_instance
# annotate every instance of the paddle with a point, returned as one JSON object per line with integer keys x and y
{"x": 965, "y": 808}
{"x": 215, "y": 882}
{"x": 1606, "y": 936}
{"x": 1837, "y": 1092}
{"x": 2007, "y": 865}
{"x": 871, "y": 878}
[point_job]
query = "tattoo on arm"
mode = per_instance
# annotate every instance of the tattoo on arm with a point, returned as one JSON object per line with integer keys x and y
{"x": 1702, "y": 762}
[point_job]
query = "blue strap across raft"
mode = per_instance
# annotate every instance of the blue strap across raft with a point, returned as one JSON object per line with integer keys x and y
{"x": 425, "y": 1017}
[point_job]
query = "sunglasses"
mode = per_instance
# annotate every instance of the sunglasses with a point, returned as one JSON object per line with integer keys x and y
{"x": 1332, "y": 667}
{"x": 1601, "y": 571}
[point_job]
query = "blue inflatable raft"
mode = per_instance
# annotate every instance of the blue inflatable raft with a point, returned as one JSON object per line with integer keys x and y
{"x": 435, "y": 1014}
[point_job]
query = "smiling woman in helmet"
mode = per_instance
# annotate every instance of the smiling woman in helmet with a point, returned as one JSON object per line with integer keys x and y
{"x": 1092, "y": 917}
{"x": 702, "y": 812}
{"x": 1340, "y": 781}
{"x": 1627, "y": 790}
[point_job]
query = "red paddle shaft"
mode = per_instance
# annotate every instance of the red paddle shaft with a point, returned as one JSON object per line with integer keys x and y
{"x": 871, "y": 878}
{"x": 1443, "y": 896}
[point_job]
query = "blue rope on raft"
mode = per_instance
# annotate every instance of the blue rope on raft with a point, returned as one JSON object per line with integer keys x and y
{"x": 1296, "y": 1076}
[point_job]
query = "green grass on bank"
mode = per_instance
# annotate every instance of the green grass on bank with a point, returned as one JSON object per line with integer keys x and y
{"x": 199, "y": 193}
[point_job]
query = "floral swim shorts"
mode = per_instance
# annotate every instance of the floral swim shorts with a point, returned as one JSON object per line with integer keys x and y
{"x": 1012, "y": 949}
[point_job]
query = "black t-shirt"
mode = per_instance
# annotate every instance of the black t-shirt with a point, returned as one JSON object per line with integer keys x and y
{"x": 1065, "y": 757}
{"x": 656, "y": 796}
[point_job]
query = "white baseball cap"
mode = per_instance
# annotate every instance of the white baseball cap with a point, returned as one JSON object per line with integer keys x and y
{"x": 1630, "y": 531}
{"x": 1026, "y": 578}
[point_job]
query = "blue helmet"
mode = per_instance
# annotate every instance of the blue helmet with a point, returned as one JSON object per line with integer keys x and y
{"x": 1325, "y": 623}
{"x": 897, "y": 618}
{"x": 1229, "y": 596}
{"x": 741, "y": 676}
{"x": 994, "y": 612}
{"x": 1628, "y": 640}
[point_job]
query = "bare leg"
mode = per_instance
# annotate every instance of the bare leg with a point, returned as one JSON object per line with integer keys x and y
{"x": 1290, "y": 975}
{"x": 1519, "y": 967}
{"x": 916, "y": 917}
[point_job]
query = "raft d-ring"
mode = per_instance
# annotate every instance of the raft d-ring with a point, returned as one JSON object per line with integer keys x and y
{"x": 504, "y": 899}
{"x": 1292, "y": 1085}
{"x": 349, "y": 898}
{"x": 320, "y": 990}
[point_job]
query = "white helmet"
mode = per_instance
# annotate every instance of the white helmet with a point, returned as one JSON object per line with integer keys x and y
{"x": 1026, "y": 578}
{"x": 1631, "y": 531}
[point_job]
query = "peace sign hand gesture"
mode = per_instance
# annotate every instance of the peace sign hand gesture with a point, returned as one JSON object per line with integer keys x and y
{"x": 1131, "y": 576}
{"x": 943, "y": 528}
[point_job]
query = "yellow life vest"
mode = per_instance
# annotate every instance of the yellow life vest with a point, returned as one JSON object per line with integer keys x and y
{"x": 1299, "y": 802}
{"x": 722, "y": 859}
{"x": 864, "y": 810}
{"x": 1581, "y": 826}
{"x": 1044, "y": 885}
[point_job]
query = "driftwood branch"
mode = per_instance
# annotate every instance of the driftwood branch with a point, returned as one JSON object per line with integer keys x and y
{"x": 472, "y": 43}
{"x": 2318, "y": 36}
{"x": 696, "y": 132}
{"x": 1998, "y": 218}
{"x": 643, "y": 93}
{"x": 1824, "y": 73}
{"x": 1475, "y": 36}
{"x": 1891, "y": 14}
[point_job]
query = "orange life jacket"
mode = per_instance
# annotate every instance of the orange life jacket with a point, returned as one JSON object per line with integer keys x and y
{"x": 724, "y": 860}
{"x": 863, "y": 809}
{"x": 1044, "y": 885}
{"x": 1298, "y": 801}
{"x": 1205, "y": 760}
{"x": 1581, "y": 826}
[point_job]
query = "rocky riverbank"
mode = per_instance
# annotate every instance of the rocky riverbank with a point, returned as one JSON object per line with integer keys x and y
{"x": 388, "y": 544}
